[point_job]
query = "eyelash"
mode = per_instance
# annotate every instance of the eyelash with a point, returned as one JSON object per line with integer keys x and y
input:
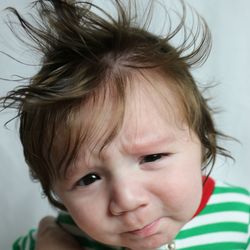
{"x": 88, "y": 179}
{"x": 93, "y": 177}
{"x": 152, "y": 157}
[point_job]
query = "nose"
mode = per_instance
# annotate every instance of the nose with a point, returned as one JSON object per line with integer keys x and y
{"x": 127, "y": 195}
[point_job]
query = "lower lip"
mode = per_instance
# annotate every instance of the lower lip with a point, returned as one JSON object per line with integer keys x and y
{"x": 148, "y": 230}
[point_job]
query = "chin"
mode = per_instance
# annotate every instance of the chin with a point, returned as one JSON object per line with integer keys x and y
{"x": 150, "y": 243}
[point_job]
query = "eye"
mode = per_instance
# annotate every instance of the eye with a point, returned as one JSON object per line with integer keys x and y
{"x": 152, "y": 158}
{"x": 88, "y": 179}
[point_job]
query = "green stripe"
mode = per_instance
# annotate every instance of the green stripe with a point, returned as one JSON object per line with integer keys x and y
{"x": 217, "y": 246}
{"x": 24, "y": 241}
{"x": 225, "y": 206}
{"x": 65, "y": 219}
{"x": 32, "y": 240}
{"x": 248, "y": 242}
{"x": 16, "y": 245}
{"x": 212, "y": 228}
{"x": 238, "y": 190}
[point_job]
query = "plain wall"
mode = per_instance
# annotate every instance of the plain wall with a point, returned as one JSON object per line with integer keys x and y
{"x": 22, "y": 204}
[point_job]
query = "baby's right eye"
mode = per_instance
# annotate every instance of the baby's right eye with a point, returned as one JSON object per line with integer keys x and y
{"x": 88, "y": 179}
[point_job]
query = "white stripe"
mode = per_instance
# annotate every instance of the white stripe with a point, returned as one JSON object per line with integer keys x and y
{"x": 212, "y": 238}
{"x": 229, "y": 197}
{"x": 27, "y": 244}
{"x": 218, "y": 217}
{"x": 222, "y": 184}
{"x": 21, "y": 241}
{"x": 34, "y": 235}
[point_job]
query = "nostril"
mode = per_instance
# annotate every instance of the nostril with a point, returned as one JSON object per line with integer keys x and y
{"x": 117, "y": 213}
{"x": 116, "y": 209}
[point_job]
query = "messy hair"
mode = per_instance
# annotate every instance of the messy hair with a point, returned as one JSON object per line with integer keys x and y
{"x": 88, "y": 57}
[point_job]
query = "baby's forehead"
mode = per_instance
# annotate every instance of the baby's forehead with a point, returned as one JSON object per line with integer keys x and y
{"x": 144, "y": 93}
{"x": 146, "y": 122}
{"x": 149, "y": 103}
{"x": 148, "y": 113}
{"x": 152, "y": 93}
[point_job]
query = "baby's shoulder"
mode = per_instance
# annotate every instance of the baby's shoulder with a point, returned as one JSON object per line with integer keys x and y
{"x": 67, "y": 223}
{"x": 228, "y": 198}
{"x": 224, "y": 220}
{"x": 228, "y": 191}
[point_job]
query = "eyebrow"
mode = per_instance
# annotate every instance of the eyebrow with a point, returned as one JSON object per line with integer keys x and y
{"x": 142, "y": 145}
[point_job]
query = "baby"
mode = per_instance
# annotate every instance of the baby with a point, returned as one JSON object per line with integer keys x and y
{"x": 120, "y": 137}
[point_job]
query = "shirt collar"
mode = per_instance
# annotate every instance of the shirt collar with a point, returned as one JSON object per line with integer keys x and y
{"x": 208, "y": 188}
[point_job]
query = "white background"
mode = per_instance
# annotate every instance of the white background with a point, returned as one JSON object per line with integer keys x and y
{"x": 22, "y": 205}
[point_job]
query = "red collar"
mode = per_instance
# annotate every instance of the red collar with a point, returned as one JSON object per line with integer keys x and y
{"x": 208, "y": 188}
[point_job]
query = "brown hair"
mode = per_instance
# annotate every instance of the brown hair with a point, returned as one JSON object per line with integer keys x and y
{"x": 87, "y": 58}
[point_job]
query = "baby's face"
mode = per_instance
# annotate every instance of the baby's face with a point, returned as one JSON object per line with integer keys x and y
{"x": 145, "y": 185}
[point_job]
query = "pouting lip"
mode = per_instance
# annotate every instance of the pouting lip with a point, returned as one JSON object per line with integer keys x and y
{"x": 146, "y": 230}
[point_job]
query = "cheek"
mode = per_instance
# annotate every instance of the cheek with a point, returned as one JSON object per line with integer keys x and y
{"x": 181, "y": 193}
{"x": 189, "y": 190}
{"x": 87, "y": 214}
{"x": 187, "y": 197}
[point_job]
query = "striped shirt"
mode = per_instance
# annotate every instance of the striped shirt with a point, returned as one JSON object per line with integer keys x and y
{"x": 221, "y": 224}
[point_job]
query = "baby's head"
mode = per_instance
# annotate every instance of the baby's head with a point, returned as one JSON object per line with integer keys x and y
{"x": 114, "y": 119}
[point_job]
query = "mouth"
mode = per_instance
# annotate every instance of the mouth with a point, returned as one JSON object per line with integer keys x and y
{"x": 147, "y": 230}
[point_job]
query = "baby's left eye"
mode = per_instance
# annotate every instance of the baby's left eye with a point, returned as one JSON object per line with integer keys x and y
{"x": 88, "y": 179}
{"x": 151, "y": 158}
